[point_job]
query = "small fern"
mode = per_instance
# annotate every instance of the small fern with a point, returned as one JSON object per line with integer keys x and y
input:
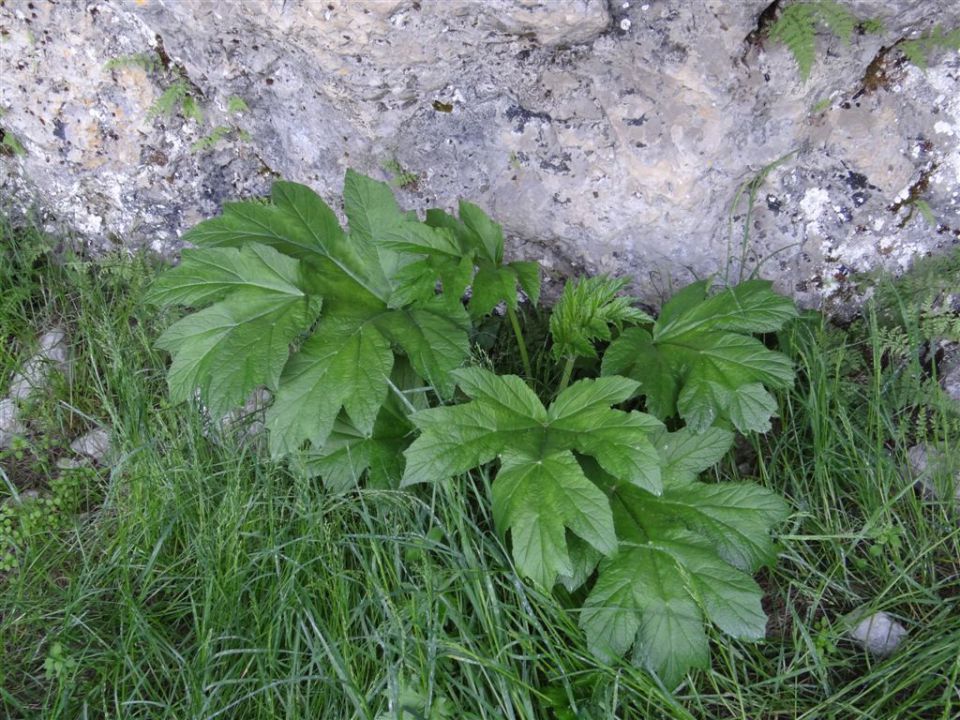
{"x": 10, "y": 145}
{"x": 798, "y": 23}
{"x": 918, "y": 50}
{"x": 207, "y": 142}
{"x": 147, "y": 62}
{"x": 170, "y": 98}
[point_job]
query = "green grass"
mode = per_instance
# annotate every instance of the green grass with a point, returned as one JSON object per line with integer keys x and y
{"x": 198, "y": 581}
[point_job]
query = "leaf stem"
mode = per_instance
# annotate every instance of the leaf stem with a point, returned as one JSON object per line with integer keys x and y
{"x": 403, "y": 398}
{"x": 521, "y": 343}
{"x": 567, "y": 373}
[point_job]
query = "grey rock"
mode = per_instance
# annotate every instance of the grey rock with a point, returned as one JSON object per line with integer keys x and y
{"x": 10, "y": 424}
{"x": 950, "y": 373}
{"x": 551, "y": 23}
{"x": 68, "y": 463}
{"x": 94, "y": 444}
{"x": 605, "y": 136}
{"x": 879, "y": 634}
{"x": 935, "y": 471}
{"x": 54, "y": 354}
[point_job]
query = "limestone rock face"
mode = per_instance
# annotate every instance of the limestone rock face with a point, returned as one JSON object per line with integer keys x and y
{"x": 617, "y": 136}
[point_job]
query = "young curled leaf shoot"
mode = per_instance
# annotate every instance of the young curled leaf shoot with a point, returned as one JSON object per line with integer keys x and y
{"x": 584, "y": 314}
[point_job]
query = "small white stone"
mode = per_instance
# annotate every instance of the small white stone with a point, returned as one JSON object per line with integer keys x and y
{"x": 67, "y": 463}
{"x": 10, "y": 425}
{"x": 943, "y": 128}
{"x": 930, "y": 468}
{"x": 53, "y": 353}
{"x": 244, "y": 424}
{"x": 950, "y": 379}
{"x": 95, "y": 444}
{"x": 625, "y": 24}
{"x": 879, "y": 634}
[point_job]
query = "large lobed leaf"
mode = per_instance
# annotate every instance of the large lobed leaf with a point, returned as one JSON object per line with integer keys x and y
{"x": 683, "y": 556}
{"x": 242, "y": 340}
{"x": 541, "y": 490}
{"x": 700, "y": 360}
{"x": 474, "y": 235}
{"x": 264, "y": 269}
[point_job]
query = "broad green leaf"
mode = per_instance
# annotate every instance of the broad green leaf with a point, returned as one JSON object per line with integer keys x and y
{"x": 433, "y": 335}
{"x": 475, "y": 235}
{"x": 698, "y": 363}
{"x": 685, "y": 454}
{"x": 518, "y": 406}
{"x": 528, "y": 275}
{"x": 540, "y": 492}
{"x": 417, "y": 281}
{"x": 299, "y": 224}
{"x": 242, "y": 341}
{"x": 641, "y": 600}
{"x": 734, "y": 517}
{"x": 453, "y": 440}
{"x": 683, "y": 557}
{"x": 537, "y": 499}
{"x": 205, "y": 276}
{"x": 750, "y": 408}
{"x": 634, "y": 355}
{"x": 583, "y": 561}
{"x": 580, "y": 418}
{"x": 489, "y": 233}
{"x": 345, "y": 364}
{"x": 585, "y": 313}
{"x": 348, "y": 453}
{"x": 268, "y": 267}
{"x": 750, "y": 307}
{"x": 492, "y": 285}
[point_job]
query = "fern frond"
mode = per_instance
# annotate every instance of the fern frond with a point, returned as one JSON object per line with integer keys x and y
{"x": 837, "y": 18}
{"x": 918, "y": 50}
{"x": 795, "y": 28}
{"x": 167, "y": 103}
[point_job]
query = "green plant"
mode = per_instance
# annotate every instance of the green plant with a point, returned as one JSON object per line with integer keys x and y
{"x": 24, "y": 518}
{"x": 10, "y": 145}
{"x": 701, "y": 360}
{"x": 148, "y": 62}
{"x": 798, "y": 23}
{"x": 58, "y": 664}
{"x": 208, "y": 581}
{"x": 177, "y": 94}
{"x": 402, "y": 178}
{"x": 236, "y": 104}
{"x": 210, "y": 140}
{"x": 584, "y": 314}
{"x": 361, "y": 336}
{"x": 919, "y": 49}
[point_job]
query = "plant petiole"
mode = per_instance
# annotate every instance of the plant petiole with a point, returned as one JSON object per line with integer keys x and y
{"x": 521, "y": 343}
